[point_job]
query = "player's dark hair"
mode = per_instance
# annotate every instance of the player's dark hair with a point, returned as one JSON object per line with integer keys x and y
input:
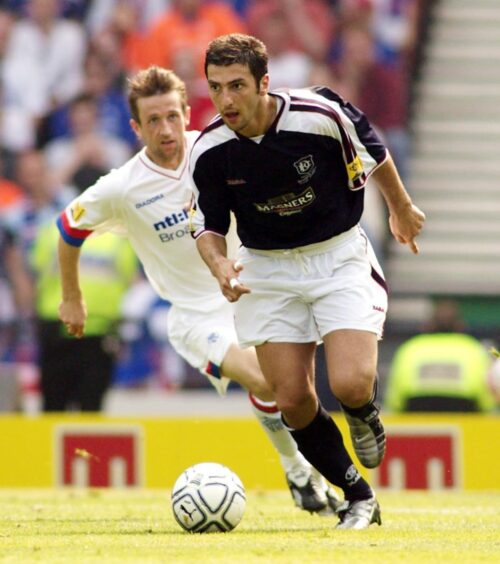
{"x": 237, "y": 48}
{"x": 151, "y": 82}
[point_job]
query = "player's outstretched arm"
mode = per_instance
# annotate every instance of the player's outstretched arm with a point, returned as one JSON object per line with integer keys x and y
{"x": 213, "y": 251}
{"x": 406, "y": 220}
{"x": 72, "y": 309}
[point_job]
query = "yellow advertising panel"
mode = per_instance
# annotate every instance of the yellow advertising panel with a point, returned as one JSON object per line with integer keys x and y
{"x": 424, "y": 451}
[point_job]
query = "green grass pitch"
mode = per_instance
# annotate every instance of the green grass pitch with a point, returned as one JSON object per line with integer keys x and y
{"x": 57, "y": 526}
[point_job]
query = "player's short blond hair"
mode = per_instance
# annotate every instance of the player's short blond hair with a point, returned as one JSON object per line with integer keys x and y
{"x": 151, "y": 82}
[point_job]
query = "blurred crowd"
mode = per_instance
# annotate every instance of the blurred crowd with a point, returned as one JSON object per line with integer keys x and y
{"x": 64, "y": 122}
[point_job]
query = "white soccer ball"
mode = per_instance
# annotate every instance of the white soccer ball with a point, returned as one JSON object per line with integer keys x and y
{"x": 208, "y": 498}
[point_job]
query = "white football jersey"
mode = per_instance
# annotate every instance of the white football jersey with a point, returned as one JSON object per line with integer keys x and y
{"x": 149, "y": 205}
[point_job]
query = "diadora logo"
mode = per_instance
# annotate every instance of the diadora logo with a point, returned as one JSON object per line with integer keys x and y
{"x": 149, "y": 201}
{"x": 98, "y": 455}
{"x": 417, "y": 458}
{"x": 305, "y": 167}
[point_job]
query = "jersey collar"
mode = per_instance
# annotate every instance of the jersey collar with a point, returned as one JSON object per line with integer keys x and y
{"x": 283, "y": 107}
{"x": 170, "y": 173}
{"x": 283, "y": 101}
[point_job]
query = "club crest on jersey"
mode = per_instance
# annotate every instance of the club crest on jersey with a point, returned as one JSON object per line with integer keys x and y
{"x": 213, "y": 337}
{"x": 305, "y": 167}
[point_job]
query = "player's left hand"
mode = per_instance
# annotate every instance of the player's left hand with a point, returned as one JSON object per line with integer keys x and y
{"x": 73, "y": 314}
{"x": 406, "y": 225}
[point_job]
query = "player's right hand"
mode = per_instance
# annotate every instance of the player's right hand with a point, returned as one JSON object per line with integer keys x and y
{"x": 231, "y": 286}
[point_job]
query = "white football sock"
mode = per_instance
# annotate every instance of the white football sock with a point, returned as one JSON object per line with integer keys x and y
{"x": 269, "y": 418}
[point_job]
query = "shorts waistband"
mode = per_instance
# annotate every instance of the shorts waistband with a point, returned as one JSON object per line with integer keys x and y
{"x": 314, "y": 248}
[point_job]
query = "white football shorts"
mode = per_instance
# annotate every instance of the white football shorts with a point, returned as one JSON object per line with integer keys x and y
{"x": 299, "y": 295}
{"x": 203, "y": 340}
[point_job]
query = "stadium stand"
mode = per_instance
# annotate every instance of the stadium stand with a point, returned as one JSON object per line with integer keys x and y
{"x": 449, "y": 48}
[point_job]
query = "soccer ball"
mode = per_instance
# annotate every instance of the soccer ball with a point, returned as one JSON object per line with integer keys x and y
{"x": 208, "y": 498}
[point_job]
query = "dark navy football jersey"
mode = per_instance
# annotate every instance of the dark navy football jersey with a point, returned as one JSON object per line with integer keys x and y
{"x": 300, "y": 183}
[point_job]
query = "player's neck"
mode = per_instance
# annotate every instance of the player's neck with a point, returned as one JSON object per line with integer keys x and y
{"x": 170, "y": 163}
{"x": 271, "y": 111}
{"x": 264, "y": 117}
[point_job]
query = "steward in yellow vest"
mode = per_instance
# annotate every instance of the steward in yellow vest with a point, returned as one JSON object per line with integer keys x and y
{"x": 77, "y": 372}
{"x": 440, "y": 372}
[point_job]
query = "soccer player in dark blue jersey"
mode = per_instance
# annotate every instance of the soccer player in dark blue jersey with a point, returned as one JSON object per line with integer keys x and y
{"x": 292, "y": 166}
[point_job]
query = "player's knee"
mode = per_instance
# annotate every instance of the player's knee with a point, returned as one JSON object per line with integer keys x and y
{"x": 296, "y": 403}
{"x": 356, "y": 390}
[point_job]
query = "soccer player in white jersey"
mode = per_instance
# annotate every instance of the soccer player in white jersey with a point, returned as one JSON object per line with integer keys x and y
{"x": 147, "y": 200}
{"x": 292, "y": 166}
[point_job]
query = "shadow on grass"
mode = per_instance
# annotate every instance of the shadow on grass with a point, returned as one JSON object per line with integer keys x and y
{"x": 46, "y": 527}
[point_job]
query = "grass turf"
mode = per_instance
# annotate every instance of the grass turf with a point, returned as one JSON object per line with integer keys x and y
{"x": 137, "y": 526}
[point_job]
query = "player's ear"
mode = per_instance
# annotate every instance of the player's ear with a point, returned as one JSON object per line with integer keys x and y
{"x": 136, "y": 128}
{"x": 187, "y": 115}
{"x": 264, "y": 85}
